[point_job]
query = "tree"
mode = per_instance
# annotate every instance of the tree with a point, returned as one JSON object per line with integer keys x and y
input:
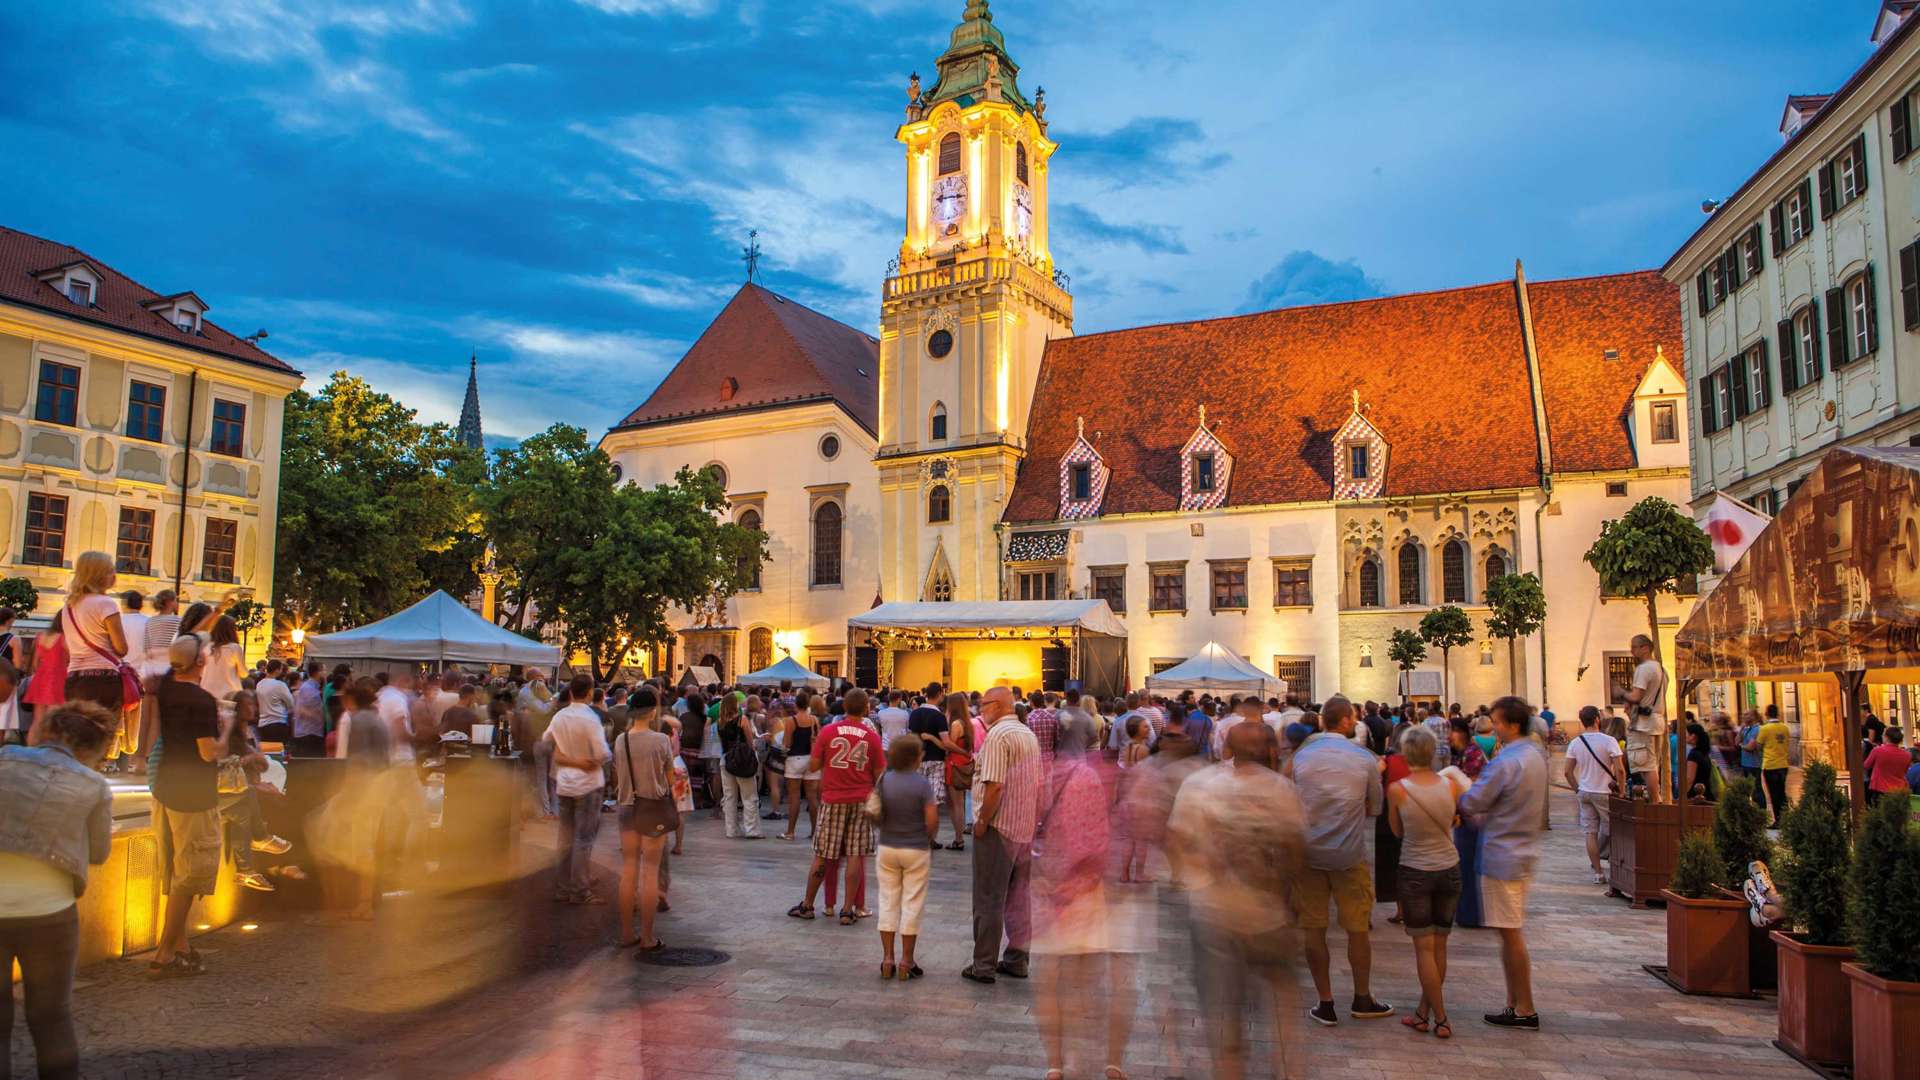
{"x": 1405, "y": 649}
{"x": 1813, "y": 872}
{"x": 366, "y": 498}
{"x": 544, "y": 501}
{"x": 248, "y": 615}
{"x": 1446, "y": 628}
{"x": 1646, "y": 553}
{"x": 19, "y": 594}
{"x": 1519, "y": 608}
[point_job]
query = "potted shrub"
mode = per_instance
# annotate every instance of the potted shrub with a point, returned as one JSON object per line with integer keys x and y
{"x": 1883, "y": 917}
{"x": 1706, "y": 932}
{"x": 1816, "y": 1014}
{"x": 1740, "y": 838}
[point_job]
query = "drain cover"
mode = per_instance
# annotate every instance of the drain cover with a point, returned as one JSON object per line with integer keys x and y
{"x": 690, "y": 957}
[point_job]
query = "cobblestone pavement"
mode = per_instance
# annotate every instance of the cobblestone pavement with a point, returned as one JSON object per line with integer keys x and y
{"x": 519, "y": 987}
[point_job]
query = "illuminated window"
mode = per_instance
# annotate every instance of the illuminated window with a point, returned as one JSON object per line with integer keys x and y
{"x": 216, "y": 563}
{"x": 939, "y": 505}
{"x": 229, "y": 428}
{"x": 46, "y": 543}
{"x": 1412, "y": 587}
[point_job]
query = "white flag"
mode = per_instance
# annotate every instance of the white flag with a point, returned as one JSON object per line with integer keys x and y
{"x": 1733, "y": 525}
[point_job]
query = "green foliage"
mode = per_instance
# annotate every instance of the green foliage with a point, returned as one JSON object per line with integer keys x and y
{"x": 368, "y": 496}
{"x": 1883, "y": 894}
{"x": 1740, "y": 831}
{"x": 1812, "y": 869}
{"x": 1406, "y": 649}
{"x": 546, "y": 500}
{"x": 1696, "y": 868}
{"x": 1446, "y": 628}
{"x": 19, "y": 594}
{"x": 1519, "y": 606}
{"x": 1646, "y": 552}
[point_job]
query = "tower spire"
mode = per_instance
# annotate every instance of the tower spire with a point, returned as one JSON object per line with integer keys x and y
{"x": 468, "y": 433}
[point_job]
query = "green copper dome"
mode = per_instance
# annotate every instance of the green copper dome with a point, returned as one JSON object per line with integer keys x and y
{"x": 976, "y": 66}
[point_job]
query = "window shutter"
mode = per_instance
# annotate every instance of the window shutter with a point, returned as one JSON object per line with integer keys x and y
{"x": 1789, "y": 368}
{"x": 1836, "y": 329}
{"x": 1706, "y": 302}
{"x": 1860, "y": 158}
{"x": 1900, "y": 120}
{"x": 1706, "y": 404}
{"x": 1753, "y": 240}
{"x": 1737, "y": 384}
{"x": 1762, "y": 393}
{"x": 1736, "y": 267}
{"x": 1813, "y": 312}
{"x": 1873, "y": 314}
{"x": 1777, "y": 221}
{"x": 1826, "y": 191}
{"x": 1910, "y": 286}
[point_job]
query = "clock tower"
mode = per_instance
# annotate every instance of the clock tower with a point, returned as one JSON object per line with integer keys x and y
{"x": 965, "y": 318}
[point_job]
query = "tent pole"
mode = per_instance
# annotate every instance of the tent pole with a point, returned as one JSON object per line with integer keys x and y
{"x": 1852, "y": 687}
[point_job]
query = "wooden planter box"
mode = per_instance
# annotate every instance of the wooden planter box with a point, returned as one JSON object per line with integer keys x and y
{"x": 1816, "y": 1002}
{"x": 1886, "y": 1026}
{"x": 1645, "y": 837}
{"x": 1707, "y": 945}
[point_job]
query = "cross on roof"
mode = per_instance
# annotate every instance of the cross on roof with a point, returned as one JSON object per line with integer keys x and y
{"x": 751, "y": 253}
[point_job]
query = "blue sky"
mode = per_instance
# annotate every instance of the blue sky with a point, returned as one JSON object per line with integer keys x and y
{"x": 563, "y": 186}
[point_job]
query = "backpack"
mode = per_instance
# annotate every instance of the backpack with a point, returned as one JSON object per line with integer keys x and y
{"x": 738, "y": 757}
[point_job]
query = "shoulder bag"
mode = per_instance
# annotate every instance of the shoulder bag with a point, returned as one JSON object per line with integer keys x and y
{"x": 876, "y": 806}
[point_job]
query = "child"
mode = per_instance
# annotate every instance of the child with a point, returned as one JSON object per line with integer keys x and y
{"x": 1134, "y": 868}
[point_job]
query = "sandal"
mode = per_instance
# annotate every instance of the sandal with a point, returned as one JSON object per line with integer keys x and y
{"x": 911, "y": 971}
{"x": 861, "y": 913}
{"x": 1442, "y": 1029}
{"x": 886, "y": 969}
{"x": 628, "y": 943}
{"x": 846, "y": 917}
{"x": 800, "y": 911}
{"x": 957, "y": 845}
{"x": 1056, "y": 1074}
{"x": 1417, "y": 1021}
{"x": 1115, "y": 1072}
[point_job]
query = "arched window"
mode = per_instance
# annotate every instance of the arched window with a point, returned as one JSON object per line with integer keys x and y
{"x": 950, "y": 153}
{"x": 1411, "y": 591}
{"x": 1453, "y": 572}
{"x": 751, "y": 567}
{"x": 719, "y": 474}
{"x": 826, "y": 544}
{"x": 759, "y": 648}
{"x": 1496, "y": 566}
{"x": 1020, "y": 162}
{"x": 937, "y": 422}
{"x": 940, "y": 585}
{"x": 939, "y": 505}
{"x": 1370, "y": 582}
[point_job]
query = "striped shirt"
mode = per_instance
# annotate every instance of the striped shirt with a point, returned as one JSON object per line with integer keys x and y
{"x": 1010, "y": 756}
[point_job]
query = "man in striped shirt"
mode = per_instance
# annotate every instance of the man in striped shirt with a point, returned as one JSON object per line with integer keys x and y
{"x": 1006, "y": 797}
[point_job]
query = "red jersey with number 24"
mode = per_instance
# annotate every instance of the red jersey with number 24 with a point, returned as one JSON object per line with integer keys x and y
{"x": 850, "y": 761}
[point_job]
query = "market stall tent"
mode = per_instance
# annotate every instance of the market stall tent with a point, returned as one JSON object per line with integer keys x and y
{"x": 788, "y": 671}
{"x": 438, "y": 629}
{"x": 1216, "y": 669}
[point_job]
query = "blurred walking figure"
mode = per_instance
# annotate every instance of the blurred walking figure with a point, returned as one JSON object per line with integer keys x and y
{"x": 1237, "y": 839}
{"x": 1508, "y": 797}
{"x": 1071, "y": 933}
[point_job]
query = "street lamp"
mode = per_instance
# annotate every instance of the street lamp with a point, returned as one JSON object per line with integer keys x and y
{"x": 298, "y": 635}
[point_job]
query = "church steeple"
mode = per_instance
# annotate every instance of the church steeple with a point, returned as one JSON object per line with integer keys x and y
{"x": 976, "y": 66}
{"x": 468, "y": 433}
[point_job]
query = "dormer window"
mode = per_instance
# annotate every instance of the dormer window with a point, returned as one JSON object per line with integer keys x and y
{"x": 80, "y": 292}
{"x": 1206, "y": 469}
{"x": 1357, "y": 461}
{"x": 1082, "y": 482}
{"x": 1083, "y": 477}
{"x": 182, "y": 311}
{"x": 1359, "y": 456}
{"x": 186, "y": 323}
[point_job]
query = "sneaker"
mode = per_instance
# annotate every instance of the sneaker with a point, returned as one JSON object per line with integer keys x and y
{"x": 273, "y": 845}
{"x": 1324, "y": 1013}
{"x": 1507, "y": 1018}
{"x": 1365, "y": 1008}
{"x": 1599, "y": 879}
{"x": 253, "y": 879}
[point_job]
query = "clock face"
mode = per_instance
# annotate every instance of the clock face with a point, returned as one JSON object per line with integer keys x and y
{"x": 949, "y": 204}
{"x": 1022, "y": 212}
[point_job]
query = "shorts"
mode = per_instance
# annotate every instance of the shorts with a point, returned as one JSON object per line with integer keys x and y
{"x": 649, "y": 817}
{"x": 1503, "y": 903}
{"x": 1593, "y": 811}
{"x": 191, "y": 842}
{"x": 1640, "y": 757}
{"x": 844, "y": 831}
{"x": 936, "y": 774}
{"x": 1429, "y": 899}
{"x": 1350, "y": 890}
{"x": 796, "y": 766}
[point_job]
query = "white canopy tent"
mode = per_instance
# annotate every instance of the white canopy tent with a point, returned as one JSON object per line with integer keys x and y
{"x": 788, "y": 671}
{"x": 1216, "y": 669}
{"x": 1058, "y": 616}
{"x": 438, "y": 629}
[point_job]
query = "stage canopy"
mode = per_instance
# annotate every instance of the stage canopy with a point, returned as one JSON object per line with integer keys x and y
{"x": 1830, "y": 586}
{"x": 979, "y": 616}
{"x": 438, "y": 628}
{"x": 788, "y": 671}
{"x": 1216, "y": 669}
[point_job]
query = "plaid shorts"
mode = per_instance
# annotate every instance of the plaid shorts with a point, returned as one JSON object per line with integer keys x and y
{"x": 936, "y": 774}
{"x": 844, "y": 830}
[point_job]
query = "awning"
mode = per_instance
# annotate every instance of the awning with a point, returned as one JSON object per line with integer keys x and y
{"x": 438, "y": 628}
{"x": 1092, "y": 616}
{"x": 1216, "y": 669}
{"x": 788, "y": 671}
{"x": 1831, "y": 584}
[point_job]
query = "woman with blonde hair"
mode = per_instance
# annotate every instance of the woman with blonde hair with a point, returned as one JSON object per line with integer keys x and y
{"x": 90, "y": 623}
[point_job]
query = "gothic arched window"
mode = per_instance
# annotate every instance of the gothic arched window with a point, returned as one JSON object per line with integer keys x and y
{"x": 759, "y": 648}
{"x": 1020, "y": 162}
{"x": 826, "y": 544}
{"x": 1370, "y": 582}
{"x": 750, "y": 567}
{"x": 1453, "y": 572}
{"x": 1496, "y": 566}
{"x": 939, "y": 505}
{"x": 1411, "y": 590}
{"x": 937, "y": 422}
{"x": 950, "y": 153}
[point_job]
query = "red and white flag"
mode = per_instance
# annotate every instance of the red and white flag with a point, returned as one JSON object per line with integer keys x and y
{"x": 1732, "y": 525}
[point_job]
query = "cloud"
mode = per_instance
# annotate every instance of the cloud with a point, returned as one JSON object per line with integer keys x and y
{"x": 692, "y": 8}
{"x": 1303, "y": 277}
{"x": 1150, "y": 150}
{"x": 659, "y": 290}
{"x": 467, "y": 75}
{"x": 1081, "y": 224}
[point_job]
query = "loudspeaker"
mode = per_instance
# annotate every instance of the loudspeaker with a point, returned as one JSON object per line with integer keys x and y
{"x": 1054, "y": 666}
{"x": 866, "y": 667}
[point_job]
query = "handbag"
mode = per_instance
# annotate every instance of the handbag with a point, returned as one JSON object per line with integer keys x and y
{"x": 739, "y": 758}
{"x": 232, "y": 779}
{"x": 129, "y": 678}
{"x": 876, "y": 806}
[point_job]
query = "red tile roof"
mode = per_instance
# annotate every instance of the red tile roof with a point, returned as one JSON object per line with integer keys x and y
{"x": 764, "y": 350}
{"x": 1589, "y": 397}
{"x": 117, "y": 304}
{"x": 1443, "y": 376}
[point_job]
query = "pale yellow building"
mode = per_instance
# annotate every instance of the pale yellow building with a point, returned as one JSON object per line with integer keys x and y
{"x": 131, "y": 424}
